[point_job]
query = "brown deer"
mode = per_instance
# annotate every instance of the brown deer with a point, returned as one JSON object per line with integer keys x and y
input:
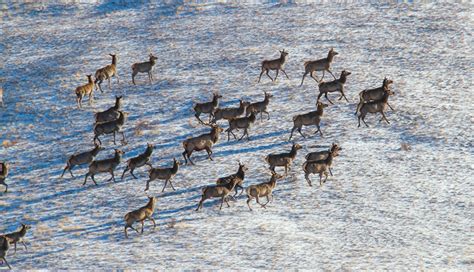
{"x": 111, "y": 127}
{"x": 375, "y": 106}
{"x": 107, "y": 72}
{"x": 275, "y": 64}
{"x": 312, "y": 118}
{"x": 322, "y": 155}
{"x": 111, "y": 114}
{"x": 144, "y": 67}
{"x": 228, "y": 113}
{"x": 282, "y": 159}
{"x": 261, "y": 190}
{"x": 240, "y": 123}
{"x": 139, "y": 161}
{"x": 208, "y": 107}
{"x": 17, "y": 236}
{"x": 164, "y": 174}
{"x": 334, "y": 86}
{"x": 221, "y": 191}
{"x": 320, "y": 167}
{"x": 374, "y": 94}
{"x": 260, "y": 107}
{"x": 140, "y": 215}
{"x": 237, "y": 178}
{"x": 104, "y": 166}
{"x": 81, "y": 158}
{"x": 84, "y": 90}
{"x": 319, "y": 65}
{"x": 4, "y": 248}
{"x": 201, "y": 142}
{"x": 4, "y": 167}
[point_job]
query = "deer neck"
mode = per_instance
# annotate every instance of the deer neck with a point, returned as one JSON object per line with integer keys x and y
{"x": 118, "y": 157}
{"x": 272, "y": 182}
{"x": 320, "y": 111}
{"x": 329, "y": 158}
{"x": 5, "y": 244}
{"x": 215, "y": 101}
{"x": 114, "y": 60}
{"x": 214, "y": 135}
{"x": 152, "y": 62}
{"x": 89, "y": 80}
{"x": 148, "y": 151}
{"x": 22, "y": 231}
{"x": 241, "y": 173}
{"x": 151, "y": 204}
{"x": 121, "y": 119}
{"x": 330, "y": 57}
{"x": 117, "y": 104}
{"x": 282, "y": 59}
{"x": 343, "y": 78}
{"x": 241, "y": 109}
{"x": 174, "y": 170}
{"x": 95, "y": 151}
{"x": 293, "y": 152}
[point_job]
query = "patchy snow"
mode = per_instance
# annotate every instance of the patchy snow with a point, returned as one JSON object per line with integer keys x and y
{"x": 385, "y": 207}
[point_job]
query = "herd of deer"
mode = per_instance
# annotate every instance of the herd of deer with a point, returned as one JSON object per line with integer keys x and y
{"x": 112, "y": 120}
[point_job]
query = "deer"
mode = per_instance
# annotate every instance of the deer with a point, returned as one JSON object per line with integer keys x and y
{"x": 1, "y": 98}
{"x": 319, "y": 65}
{"x": 84, "y": 90}
{"x": 240, "y": 123}
{"x": 81, "y": 158}
{"x": 334, "y": 86}
{"x": 237, "y": 178}
{"x": 312, "y": 118}
{"x": 320, "y": 167}
{"x": 201, "y": 142}
{"x": 111, "y": 127}
{"x": 4, "y": 168}
{"x": 212, "y": 191}
{"x": 228, "y": 113}
{"x": 104, "y": 166}
{"x": 207, "y": 107}
{"x": 140, "y": 215}
{"x": 139, "y": 161}
{"x": 107, "y": 72}
{"x": 17, "y": 237}
{"x": 374, "y": 94}
{"x": 275, "y": 64}
{"x": 260, "y": 107}
{"x": 144, "y": 67}
{"x": 164, "y": 174}
{"x": 262, "y": 190}
{"x": 4, "y": 248}
{"x": 282, "y": 159}
{"x": 111, "y": 114}
{"x": 322, "y": 155}
{"x": 375, "y": 106}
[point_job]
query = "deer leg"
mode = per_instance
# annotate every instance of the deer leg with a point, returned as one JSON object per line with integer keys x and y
{"x": 268, "y": 201}
{"x": 226, "y": 202}
{"x": 286, "y": 169}
{"x": 343, "y": 95}
{"x": 222, "y": 202}
{"x": 390, "y": 106}
{"x": 248, "y": 202}
{"x": 243, "y": 134}
{"x": 131, "y": 172}
{"x": 85, "y": 180}
{"x": 117, "y": 77}
{"x": 147, "y": 185}
{"x": 331, "y": 73}
{"x": 258, "y": 201}
{"x": 272, "y": 168}
{"x": 320, "y": 178}
{"x": 330, "y": 171}
{"x": 24, "y": 244}
{"x": 269, "y": 75}
{"x": 124, "y": 141}
{"x": 326, "y": 95}
{"x": 276, "y": 74}
{"x": 114, "y": 138}
{"x": 14, "y": 252}
{"x": 228, "y": 134}
{"x": 171, "y": 183}
{"x": 291, "y": 134}
{"x": 301, "y": 133}
{"x": 320, "y": 132}
{"x": 166, "y": 182}
{"x": 326, "y": 176}
{"x": 93, "y": 179}
{"x": 200, "y": 204}
{"x": 209, "y": 153}
{"x": 152, "y": 220}
{"x": 143, "y": 225}
{"x": 123, "y": 174}
{"x": 359, "y": 121}
{"x": 304, "y": 75}
{"x": 184, "y": 156}
{"x": 260, "y": 75}
{"x": 125, "y": 231}
{"x": 384, "y": 117}
{"x": 189, "y": 157}
{"x": 315, "y": 77}
{"x": 133, "y": 77}
{"x": 319, "y": 96}
{"x": 363, "y": 120}
{"x": 112, "y": 173}
{"x": 268, "y": 115}
{"x": 5, "y": 260}
{"x": 149, "y": 76}
{"x": 109, "y": 82}
{"x": 96, "y": 137}
{"x": 285, "y": 73}
{"x": 306, "y": 176}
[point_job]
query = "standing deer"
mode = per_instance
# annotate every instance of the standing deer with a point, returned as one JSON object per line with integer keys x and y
{"x": 81, "y": 158}
{"x": 163, "y": 173}
{"x": 4, "y": 248}
{"x": 334, "y": 86}
{"x": 84, "y": 90}
{"x": 208, "y": 107}
{"x": 17, "y": 236}
{"x": 139, "y": 161}
{"x": 104, "y": 166}
{"x": 140, "y": 215}
{"x": 201, "y": 142}
{"x": 375, "y": 106}
{"x": 228, "y": 113}
{"x": 221, "y": 191}
{"x": 262, "y": 189}
{"x": 260, "y": 107}
{"x": 322, "y": 155}
{"x": 144, "y": 67}
{"x": 107, "y": 72}
{"x": 282, "y": 159}
{"x": 237, "y": 179}
{"x": 4, "y": 167}
{"x": 110, "y": 114}
{"x": 320, "y": 167}
{"x": 312, "y": 118}
{"x": 111, "y": 127}
{"x": 369, "y": 95}
{"x": 319, "y": 65}
{"x": 275, "y": 64}
{"x": 240, "y": 123}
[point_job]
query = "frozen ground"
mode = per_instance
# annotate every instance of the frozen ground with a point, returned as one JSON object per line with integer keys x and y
{"x": 384, "y": 208}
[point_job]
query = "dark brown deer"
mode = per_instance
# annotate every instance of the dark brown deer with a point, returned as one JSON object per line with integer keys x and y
{"x": 283, "y": 159}
{"x": 237, "y": 178}
{"x": 312, "y": 118}
{"x": 107, "y": 72}
{"x": 375, "y": 107}
{"x": 140, "y": 215}
{"x": 369, "y": 95}
{"x": 208, "y": 107}
{"x": 139, "y": 161}
{"x": 334, "y": 86}
{"x": 319, "y": 65}
{"x": 81, "y": 158}
{"x": 111, "y": 114}
{"x": 201, "y": 142}
{"x": 144, "y": 67}
{"x": 275, "y": 64}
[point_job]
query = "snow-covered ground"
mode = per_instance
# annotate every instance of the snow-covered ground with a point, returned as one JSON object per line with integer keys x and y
{"x": 385, "y": 207}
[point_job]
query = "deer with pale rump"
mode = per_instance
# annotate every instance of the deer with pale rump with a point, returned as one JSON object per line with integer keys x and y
{"x": 262, "y": 190}
{"x": 144, "y": 67}
{"x": 140, "y": 215}
{"x": 310, "y": 67}
{"x": 275, "y": 64}
{"x": 375, "y": 94}
{"x": 312, "y": 118}
{"x": 334, "y": 86}
{"x": 375, "y": 107}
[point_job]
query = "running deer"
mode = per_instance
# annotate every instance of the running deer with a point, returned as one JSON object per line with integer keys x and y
{"x": 110, "y": 114}
{"x": 4, "y": 248}
{"x": 375, "y": 106}
{"x": 84, "y": 90}
{"x": 164, "y": 174}
{"x": 237, "y": 178}
{"x": 139, "y": 161}
{"x": 261, "y": 190}
{"x": 260, "y": 107}
{"x": 104, "y": 166}
{"x": 201, "y": 142}
{"x": 18, "y": 236}
{"x": 208, "y": 107}
{"x": 369, "y": 95}
{"x": 320, "y": 167}
{"x": 81, "y": 158}
{"x": 144, "y": 67}
{"x": 140, "y": 215}
{"x": 4, "y": 167}
{"x": 212, "y": 191}
{"x": 319, "y": 65}
{"x": 334, "y": 86}
{"x": 107, "y": 72}
{"x": 228, "y": 113}
{"x": 240, "y": 123}
{"x": 283, "y": 159}
{"x": 275, "y": 64}
{"x": 322, "y": 155}
{"x": 111, "y": 127}
{"x": 312, "y": 118}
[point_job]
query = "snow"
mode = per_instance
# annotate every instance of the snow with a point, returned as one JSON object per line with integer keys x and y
{"x": 385, "y": 207}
